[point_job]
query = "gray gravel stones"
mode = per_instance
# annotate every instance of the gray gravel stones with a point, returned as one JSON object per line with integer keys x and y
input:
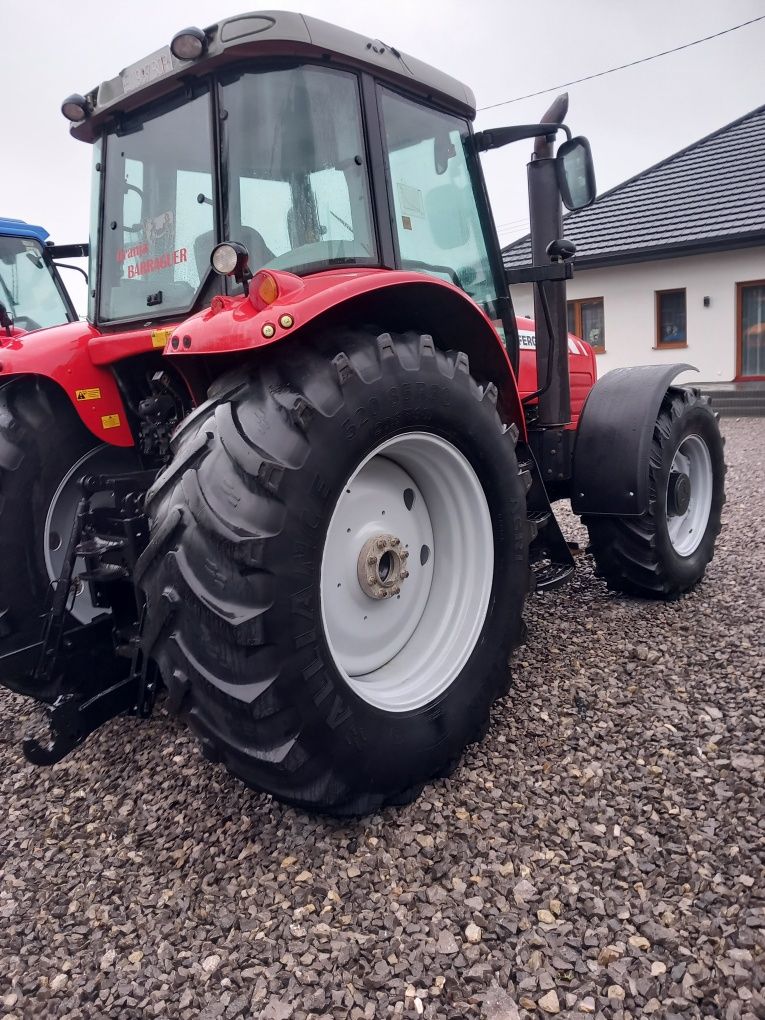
{"x": 601, "y": 854}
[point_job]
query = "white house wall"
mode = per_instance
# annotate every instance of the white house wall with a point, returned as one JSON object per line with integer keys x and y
{"x": 629, "y": 307}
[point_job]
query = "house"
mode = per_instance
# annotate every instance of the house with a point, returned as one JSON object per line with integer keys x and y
{"x": 670, "y": 265}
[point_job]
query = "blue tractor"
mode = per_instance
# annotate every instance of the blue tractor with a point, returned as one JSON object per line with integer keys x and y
{"x": 32, "y": 295}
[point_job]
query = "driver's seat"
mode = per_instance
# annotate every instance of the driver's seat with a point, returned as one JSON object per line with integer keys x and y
{"x": 251, "y": 238}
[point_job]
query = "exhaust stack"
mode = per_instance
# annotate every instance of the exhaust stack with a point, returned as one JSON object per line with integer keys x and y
{"x": 545, "y": 209}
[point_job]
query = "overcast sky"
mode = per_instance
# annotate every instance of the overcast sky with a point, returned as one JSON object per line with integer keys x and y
{"x": 501, "y": 48}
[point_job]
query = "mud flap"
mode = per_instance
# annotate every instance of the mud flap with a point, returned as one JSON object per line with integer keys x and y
{"x": 613, "y": 442}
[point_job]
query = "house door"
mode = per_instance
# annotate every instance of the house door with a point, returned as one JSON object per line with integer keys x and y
{"x": 751, "y": 330}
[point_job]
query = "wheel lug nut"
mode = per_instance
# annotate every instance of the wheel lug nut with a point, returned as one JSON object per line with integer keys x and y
{"x": 396, "y": 541}
{"x": 380, "y": 543}
{"x": 371, "y": 560}
{"x": 370, "y": 579}
{"x": 397, "y": 590}
{"x": 384, "y": 594}
{"x": 405, "y": 554}
{"x": 404, "y": 574}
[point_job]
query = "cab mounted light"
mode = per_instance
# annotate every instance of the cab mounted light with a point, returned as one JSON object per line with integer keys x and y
{"x": 266, "y": 288}
{"x": 230, "y": 258}
{"x": 75, "y": 108}
{"x": 188, "y": 44}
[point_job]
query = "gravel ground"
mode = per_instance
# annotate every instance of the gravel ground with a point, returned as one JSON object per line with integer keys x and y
{"x": 601, "y": 853}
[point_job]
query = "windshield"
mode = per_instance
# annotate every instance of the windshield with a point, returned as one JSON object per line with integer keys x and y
{"x": 298, "y": 188}
{"x": 28, "y": 287}
{"x": 158, "y": 222}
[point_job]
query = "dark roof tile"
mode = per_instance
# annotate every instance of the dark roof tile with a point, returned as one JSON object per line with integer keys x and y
{"x": 713, "y": 189}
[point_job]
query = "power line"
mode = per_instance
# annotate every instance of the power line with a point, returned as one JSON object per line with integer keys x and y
{"x": 621, "y": 67}
{"x": 513, "y": 224}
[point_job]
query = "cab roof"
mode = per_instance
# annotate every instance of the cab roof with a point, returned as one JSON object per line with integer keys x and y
{"x": 268, "y": 34}
{"x": 18, "y": 228}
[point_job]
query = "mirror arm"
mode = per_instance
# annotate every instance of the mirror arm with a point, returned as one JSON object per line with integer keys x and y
{"x": 540, "y": 274}
{"x": 495, "y": 138}
{"x": 77, "y": 269}
{"x": 67, "y": 251}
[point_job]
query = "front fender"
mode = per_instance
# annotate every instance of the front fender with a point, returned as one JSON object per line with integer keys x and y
{"x": 62, "y": 355}
{"x": 392, "y": 299}
{"x": 613, "y": 440}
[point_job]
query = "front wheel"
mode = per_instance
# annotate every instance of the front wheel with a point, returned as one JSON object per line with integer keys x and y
{"x": 337, "y": 570}
{"x": 44, "y": 451}
{"x": 666, "y": 551}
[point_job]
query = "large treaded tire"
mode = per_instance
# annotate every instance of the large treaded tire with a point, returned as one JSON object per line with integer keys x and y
{"x": 634, "y": 555}
{"x": 40, "y": 439}
{"x": 231, "y": 575}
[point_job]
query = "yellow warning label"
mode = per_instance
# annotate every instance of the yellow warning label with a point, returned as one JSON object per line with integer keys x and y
{"x": 110, "y": 421}
{"x": 94, "y": 394}
{"x": 159, "y": 337}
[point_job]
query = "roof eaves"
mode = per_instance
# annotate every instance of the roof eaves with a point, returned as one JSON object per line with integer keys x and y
{"x": 652, "y": 253}
{"x": 590, "y": 210}
{"x": 671, "y": 158}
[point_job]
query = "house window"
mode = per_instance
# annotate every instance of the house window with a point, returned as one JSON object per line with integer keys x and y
{"x": 586, "y": 320}
{"x": 670, "y": 319}
{"x": 751, "y": 330}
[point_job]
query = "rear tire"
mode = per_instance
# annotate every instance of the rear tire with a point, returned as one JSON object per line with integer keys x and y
{"x": 237, "y": 572}
{"x": 664, "y": 553}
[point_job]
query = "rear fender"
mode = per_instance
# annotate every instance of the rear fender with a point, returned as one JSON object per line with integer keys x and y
{"x": 613, "y": 441}
{"x": 61, "y": 355}
{"x": 392, "y": 300}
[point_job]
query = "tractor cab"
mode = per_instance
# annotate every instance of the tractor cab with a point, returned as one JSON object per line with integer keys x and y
{"x": 32, "y": 295}
{"x": 314, "y": 148}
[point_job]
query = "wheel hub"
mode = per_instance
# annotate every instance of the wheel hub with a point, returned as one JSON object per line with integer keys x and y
{"x": 381, "y": 566}
{"x": 678, "y": 494}
{"x": 407, "y": 571}
{"x": 689, "y": 494}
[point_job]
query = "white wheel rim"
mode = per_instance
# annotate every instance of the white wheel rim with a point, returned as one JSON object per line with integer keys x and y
{"x": 402, "y": 652}
{"x": 102, "y": 460}
{"x": 686, "y": 530}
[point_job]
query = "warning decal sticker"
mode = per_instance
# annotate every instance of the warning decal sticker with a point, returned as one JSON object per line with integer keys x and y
{"x": 92, "y": 394}
{"x": 159, "y": 337}
{"x": 110, "y": 421}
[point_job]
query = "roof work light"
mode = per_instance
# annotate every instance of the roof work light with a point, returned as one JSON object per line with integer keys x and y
{"x": 188, "y": 44}
{"x": 75, "y": 108}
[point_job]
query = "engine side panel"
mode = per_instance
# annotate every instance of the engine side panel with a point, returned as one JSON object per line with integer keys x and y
{"x": 582, "y": 367}
{"x": 62, "y": 354}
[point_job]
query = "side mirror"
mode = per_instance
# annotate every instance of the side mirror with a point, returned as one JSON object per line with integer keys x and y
{"x": 576, "y": 173}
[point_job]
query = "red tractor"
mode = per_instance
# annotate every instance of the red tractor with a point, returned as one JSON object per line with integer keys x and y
{"x": 285, "y": 470}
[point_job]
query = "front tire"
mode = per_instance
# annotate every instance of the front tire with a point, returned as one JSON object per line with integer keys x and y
{"x": 44, "y": 450}
{"x": 272, "y": 638}
{"x": 666, "y": 551}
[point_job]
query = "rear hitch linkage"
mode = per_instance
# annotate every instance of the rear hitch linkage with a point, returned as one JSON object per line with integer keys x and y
{"x": 90, "y": 673}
